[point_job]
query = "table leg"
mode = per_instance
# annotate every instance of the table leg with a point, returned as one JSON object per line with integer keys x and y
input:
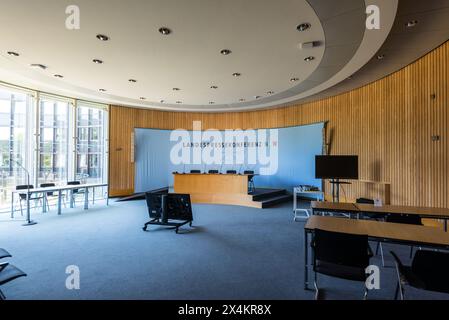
{"x": 93, "y": 195}
{"x": 86, "y": 199}
{"x": 44, "y": 202}
{"x": 294, "y": 201}
{"x": 445, "y": 225}
{"x": 59, "y": 201}
{"x": 107, "y": 197}
{"x": 71, "y": 199}
{"x": 28, "y": 205}
{"x": 306, "y": 260}
{"x": 12, "y": 205}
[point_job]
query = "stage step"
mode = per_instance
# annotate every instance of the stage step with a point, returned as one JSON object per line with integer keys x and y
{"x": 262, "y": 194}
{"x": 269, "y": 202}
{"x": 141, "y": 196}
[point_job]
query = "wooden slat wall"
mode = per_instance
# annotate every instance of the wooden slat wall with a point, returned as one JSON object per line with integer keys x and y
{"x": 388, "y": 123}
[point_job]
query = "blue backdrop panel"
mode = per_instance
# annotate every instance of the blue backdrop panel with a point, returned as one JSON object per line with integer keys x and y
{"x": 297, "y": 147}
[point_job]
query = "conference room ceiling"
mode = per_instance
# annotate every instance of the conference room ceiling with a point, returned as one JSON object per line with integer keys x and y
{"x": 185, "y": 69}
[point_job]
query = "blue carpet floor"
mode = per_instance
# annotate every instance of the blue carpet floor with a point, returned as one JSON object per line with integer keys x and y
{"x": 231, "y": 253}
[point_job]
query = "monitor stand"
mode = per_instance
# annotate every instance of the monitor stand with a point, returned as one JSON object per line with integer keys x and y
{"x": 336, "y": 189}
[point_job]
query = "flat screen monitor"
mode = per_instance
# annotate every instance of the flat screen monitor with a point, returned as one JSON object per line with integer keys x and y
{"x": 337, "y": 167}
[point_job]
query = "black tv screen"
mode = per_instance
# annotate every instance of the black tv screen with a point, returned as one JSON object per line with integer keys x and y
{"x": 337, "y": 167}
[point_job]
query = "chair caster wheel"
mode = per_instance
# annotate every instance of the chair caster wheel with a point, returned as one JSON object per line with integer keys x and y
{"x": 144, "y": 229}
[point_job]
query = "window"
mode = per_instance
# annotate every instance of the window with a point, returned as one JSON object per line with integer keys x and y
{"x": 15, "y": 117}
{"x": 91, "y": 160}
{"x": 53, "y": 141}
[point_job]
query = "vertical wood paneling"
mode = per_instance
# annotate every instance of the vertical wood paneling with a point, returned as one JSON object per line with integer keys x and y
{"x": 388, "y": 123}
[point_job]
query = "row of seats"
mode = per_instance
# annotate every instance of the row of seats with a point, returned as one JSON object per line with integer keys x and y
{"x": 8, "y": 272}
{"x": 47, "y": 195}
{"x": 347, "y": 256}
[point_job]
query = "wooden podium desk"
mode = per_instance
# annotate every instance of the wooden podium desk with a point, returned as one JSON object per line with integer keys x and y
{"x": 215, "y": 188}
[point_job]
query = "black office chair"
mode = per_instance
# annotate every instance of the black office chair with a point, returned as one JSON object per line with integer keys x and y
{"x": 195, "y": 171}
{"x": 231, "y": 171}
{"x": 213, "y": 171}
{"x": 51, "y": 194}
{"x": 23, "y": 196}
{"x": 340, "y": 255}
{"x": 251, "y": 186}
{"x": 427, "y": 272}
{"x": 372, "y": 216}
{"x": 405, "y": 219}
{"x": 4, "y": 254}
{"x": 8, "y": 273}
{"x": 75, "y": 192}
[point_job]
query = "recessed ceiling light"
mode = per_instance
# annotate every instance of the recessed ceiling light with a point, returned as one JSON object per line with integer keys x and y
{"x": 380, "y": 56}
{"x": 102, "y": 37}
{"x": 176, "y": 89}
{"x": 257, "y": 97}
{"x": 309, "y": 58}
{"x": 165, "y": 31}
{"x": 270, "y": 92}
{"x": 178, "y": 102}
{"x": 211, "y": 102}
{"x": 411, "y": 23}
{"x": 142, "y": 98}
{"x": 236, "y": 74}
{"x": 213, "y": 87}
{"x": 102, "y": 90}
{"x": 242, "y": 100}
{"x": 38, "y": 66}
{"x": 13, "y": 53}
{"x": 58, "y": 76}
{"x": 132, "y": 80}
{"x": 294, "y": 79}
{"x": 225, "y": 52}
{"x": 97, "y": 61}
{"x": 303, "y": 26}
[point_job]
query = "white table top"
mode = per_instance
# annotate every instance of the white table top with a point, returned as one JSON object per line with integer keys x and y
{"x": 65, "y": 187}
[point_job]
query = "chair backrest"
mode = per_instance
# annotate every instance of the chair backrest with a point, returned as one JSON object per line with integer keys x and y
{"x": 404, "y": 218}
{"x": 74, "y": 183}
{"x": 195, "y": 171}
{"x": 213, "y": 171}
{"x": 248, "y": 172}
{"x": 341, "y": 248}
{"x": 365, "y": 201}
{"x": 46, "y": 185}
{"x": 231, "y": 171}
{"x": 24, "y": 187}
{"x": 431, "y": 268}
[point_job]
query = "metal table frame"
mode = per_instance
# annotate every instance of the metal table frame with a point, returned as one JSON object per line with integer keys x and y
{"x": 59, "y": 190}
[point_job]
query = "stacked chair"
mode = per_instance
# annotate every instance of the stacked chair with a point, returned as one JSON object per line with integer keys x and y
{"x": 8, "y": 272}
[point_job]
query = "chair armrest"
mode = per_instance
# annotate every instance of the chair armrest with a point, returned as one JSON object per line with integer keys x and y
{"x": 3, "y": 265}
{"x": 370, "y": 251}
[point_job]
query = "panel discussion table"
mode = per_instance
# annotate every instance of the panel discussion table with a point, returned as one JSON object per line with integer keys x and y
{"x": 215, "y": 188}
{"x": 59, "y": 190}
{"x": 361, "y": 209}
{"x": 405, "y": 234}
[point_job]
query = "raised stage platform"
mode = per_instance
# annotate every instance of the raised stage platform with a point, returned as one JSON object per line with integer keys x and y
{"x": 260, "y": 198}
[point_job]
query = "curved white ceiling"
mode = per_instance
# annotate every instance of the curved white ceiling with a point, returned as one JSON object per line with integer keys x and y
{"x": 262, "y": 36}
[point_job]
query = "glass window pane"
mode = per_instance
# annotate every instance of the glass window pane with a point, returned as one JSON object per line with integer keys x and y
{"x": 53, "y": 142}
{"x": 90, "y": 144}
